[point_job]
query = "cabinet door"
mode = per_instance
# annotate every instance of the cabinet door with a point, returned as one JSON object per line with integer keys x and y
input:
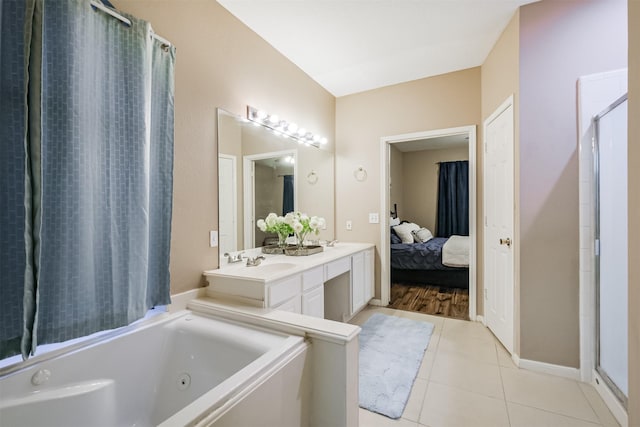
{"x": 357, "y": 281}
{"x": 313, "y": 302}
{"x": 292, "y": 305}
{"x": 368, "y": 276}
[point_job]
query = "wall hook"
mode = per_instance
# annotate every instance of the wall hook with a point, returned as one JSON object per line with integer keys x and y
{"x": 312, "y": 177}
{"x": 360, "y": 173}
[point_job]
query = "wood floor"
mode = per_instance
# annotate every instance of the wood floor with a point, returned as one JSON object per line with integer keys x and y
{"x": 431, "y": 300}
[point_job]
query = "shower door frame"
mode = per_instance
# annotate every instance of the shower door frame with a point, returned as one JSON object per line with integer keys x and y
{"x": 613, "y": 387}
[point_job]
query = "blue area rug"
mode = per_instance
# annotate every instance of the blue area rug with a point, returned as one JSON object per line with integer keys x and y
{"x": 391, "y": 350}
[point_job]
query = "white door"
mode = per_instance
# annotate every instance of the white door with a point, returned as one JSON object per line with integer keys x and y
{"x": 498, "y": 228}
{"x": 227, "y": 210}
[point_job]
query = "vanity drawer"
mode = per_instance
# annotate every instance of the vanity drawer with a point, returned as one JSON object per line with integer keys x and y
{"x": 312, "y": 278}
{"x": 284, "y": 289}
{"x": 337, "y": 267}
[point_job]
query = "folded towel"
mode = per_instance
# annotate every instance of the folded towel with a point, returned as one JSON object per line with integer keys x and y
{"x": 455, "y": 252}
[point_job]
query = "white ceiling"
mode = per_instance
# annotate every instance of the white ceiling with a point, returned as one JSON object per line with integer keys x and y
{"x": 350, "y": 46}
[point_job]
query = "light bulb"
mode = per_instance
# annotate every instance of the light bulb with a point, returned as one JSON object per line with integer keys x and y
{"x": 323, "y": 140}
{"x": 274, "y": 118}
{"x": 261, "y": 115}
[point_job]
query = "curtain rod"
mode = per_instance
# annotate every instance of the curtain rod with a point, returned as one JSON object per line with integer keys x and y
{"x": 98, "y": 5}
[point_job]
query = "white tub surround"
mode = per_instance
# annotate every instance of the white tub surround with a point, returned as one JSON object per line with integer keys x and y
{"x": 178, "y": 369}
{"x": 308, "y": 296}
{"x": 334, "y": 284}
{"x": 332, "y": 362}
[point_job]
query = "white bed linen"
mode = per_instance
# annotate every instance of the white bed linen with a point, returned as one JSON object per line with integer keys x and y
{"x": 455, "y": 252}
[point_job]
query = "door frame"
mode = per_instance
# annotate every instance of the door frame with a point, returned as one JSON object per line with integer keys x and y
{"x": 385, "y": 168}
{"x": 509, "y": 102}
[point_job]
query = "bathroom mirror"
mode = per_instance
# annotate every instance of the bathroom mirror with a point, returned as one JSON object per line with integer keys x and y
{"x": 262, "y": 172}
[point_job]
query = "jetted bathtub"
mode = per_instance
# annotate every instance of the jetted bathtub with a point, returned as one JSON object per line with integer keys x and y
{"x": 181, "y": 369}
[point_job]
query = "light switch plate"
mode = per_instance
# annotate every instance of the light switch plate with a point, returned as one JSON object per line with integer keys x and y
{"x": 349, "y": 225}
{"x": 373, "y": 218}
{"x": 213, "y": 238}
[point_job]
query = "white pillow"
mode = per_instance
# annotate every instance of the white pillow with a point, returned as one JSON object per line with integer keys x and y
{"x": 404, "y": 231}
{"x": 394, "y": 221}
{"x": 422, "y": 235}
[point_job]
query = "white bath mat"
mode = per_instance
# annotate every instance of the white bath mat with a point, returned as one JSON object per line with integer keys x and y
{"x": 391, "y": 350}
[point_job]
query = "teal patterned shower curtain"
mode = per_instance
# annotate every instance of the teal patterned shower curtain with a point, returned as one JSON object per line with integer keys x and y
{"x": 91, "y": 163}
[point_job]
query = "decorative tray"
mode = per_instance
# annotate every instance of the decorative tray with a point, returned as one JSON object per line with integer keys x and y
{"x": 272, "y": 250}
{"x": 303, "y": 251}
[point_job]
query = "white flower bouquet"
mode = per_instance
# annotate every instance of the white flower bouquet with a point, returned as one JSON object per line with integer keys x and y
{"x": 302, "y": 224}
{"x": 276, "y": 224}
{"x": 297, "y": 223}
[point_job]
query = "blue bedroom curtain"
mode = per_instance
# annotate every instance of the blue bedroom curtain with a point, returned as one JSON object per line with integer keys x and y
{"x": 97, "y": 165}
{"x": 287, "y": 194}
{"x": 453, "y": 199}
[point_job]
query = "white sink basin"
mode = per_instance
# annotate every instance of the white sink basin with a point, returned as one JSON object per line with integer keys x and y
{"x": 272, "y": 267}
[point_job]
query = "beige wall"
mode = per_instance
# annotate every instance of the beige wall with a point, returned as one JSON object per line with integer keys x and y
{"x": 557, "y": 45}
{"x": 634, "y": 214}
{"x": 445, "y": 101}
{"x": 268, "y": 197}
{"x": 500, "y": 78}
{"x": 420, "y": 183}
{"x": 220, "y": 63}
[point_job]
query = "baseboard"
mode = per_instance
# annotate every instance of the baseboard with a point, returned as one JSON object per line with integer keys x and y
{"x": 377, "y": 302}
{"x": 480, "y": 319}
{"x": 548, "y": 368}
{"x": 179, "y": 301}
{"x": 612, "y": 402}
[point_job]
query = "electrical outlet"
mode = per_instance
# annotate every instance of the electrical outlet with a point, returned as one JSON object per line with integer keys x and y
{"x": 213, "y": 238}
{"x": 349, "y": 225}
{"x": 373, "y": 218}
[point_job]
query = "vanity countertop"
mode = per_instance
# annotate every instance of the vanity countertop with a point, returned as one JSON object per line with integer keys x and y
{"x": 275, "y": 267}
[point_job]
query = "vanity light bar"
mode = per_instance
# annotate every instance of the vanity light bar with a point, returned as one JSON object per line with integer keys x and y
{"x": 284, "y": 128}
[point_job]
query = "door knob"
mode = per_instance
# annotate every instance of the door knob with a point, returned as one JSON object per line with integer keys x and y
{"x": 506, "y": 241}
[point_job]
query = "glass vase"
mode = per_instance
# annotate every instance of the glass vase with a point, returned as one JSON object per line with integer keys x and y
{"x": 300, "y": 238}
{"x": 282, "y": 240}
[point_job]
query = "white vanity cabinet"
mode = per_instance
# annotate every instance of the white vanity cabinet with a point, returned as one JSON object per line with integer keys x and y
{"x": 334, "y": 284}
{"x": 361, "y": 279}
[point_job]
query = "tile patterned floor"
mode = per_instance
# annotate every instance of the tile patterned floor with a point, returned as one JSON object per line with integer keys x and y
{"x": 467, "y": 379}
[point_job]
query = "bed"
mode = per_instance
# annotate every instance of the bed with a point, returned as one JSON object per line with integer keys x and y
{"x": 422, "y": 261}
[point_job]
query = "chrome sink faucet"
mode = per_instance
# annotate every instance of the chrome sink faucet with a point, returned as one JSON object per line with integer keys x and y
{"x": 231, "y": 258}
{"x": 254, "y": 262}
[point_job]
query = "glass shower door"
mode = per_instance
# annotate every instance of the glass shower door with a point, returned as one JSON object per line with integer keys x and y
{"x": 610, "y": 154}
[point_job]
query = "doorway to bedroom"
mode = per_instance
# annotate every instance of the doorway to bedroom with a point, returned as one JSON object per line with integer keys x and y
{"x": 428, "y": 237}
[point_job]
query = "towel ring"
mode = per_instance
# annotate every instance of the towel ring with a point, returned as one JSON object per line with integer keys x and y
{"x": 312, "y": 177}
{"x": 360, "y": 173}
